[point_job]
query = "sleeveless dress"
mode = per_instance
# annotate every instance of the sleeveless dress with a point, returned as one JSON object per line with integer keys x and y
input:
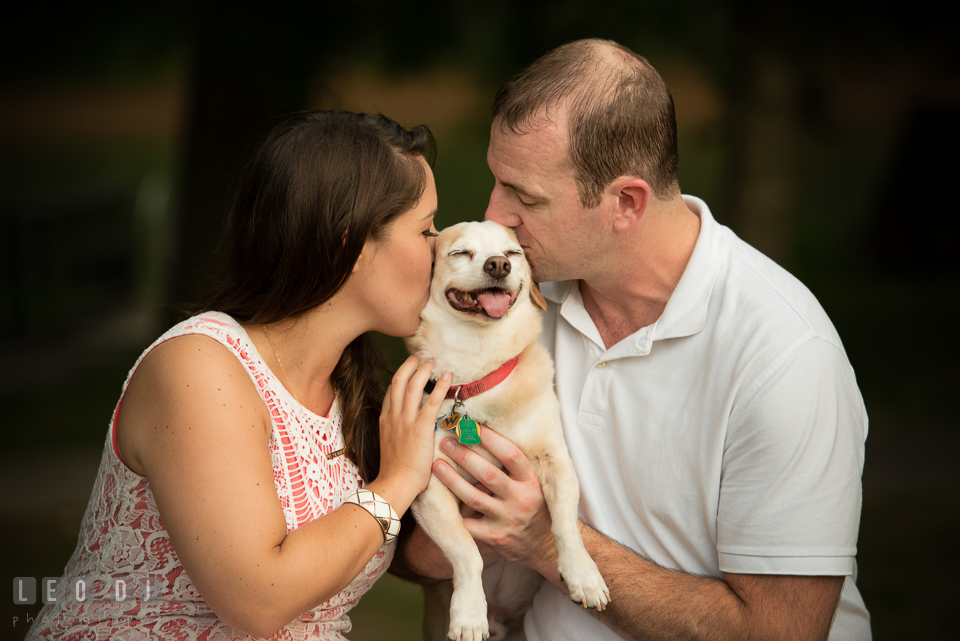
{"x": 124, "y": 549}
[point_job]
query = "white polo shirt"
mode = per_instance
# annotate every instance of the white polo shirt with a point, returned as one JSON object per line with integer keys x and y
{"x": 726, "y": 437}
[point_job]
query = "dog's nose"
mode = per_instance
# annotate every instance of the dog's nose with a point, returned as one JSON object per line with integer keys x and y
{"x": 497, "y": 266}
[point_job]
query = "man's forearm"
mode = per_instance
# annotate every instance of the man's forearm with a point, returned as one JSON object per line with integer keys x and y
{"x": 652, "y": 602}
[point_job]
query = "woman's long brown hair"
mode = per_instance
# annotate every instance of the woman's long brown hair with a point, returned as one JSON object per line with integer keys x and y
{"x": 319, "y": 187}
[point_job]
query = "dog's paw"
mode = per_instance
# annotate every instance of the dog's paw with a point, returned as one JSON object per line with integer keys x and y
{"x": 468, "y": 616}
{"x": 468, "y": 630}
{"x": 586, "y": 584}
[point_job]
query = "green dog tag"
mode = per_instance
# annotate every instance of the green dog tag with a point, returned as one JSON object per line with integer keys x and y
{"x": 467, "y": 432}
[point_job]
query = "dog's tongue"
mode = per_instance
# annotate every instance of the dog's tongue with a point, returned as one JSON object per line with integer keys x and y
{"x": 494, "y": 303}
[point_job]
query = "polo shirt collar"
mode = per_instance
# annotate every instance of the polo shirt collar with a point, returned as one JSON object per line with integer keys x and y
{"x": 686, "y": 311}
{"x": 567, "y": 295}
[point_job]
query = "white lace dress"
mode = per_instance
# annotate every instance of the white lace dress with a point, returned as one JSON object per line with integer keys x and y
{"x": 123, "y": 540}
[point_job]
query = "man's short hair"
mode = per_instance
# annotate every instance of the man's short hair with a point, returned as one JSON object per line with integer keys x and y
{"x": 620, "y": 118}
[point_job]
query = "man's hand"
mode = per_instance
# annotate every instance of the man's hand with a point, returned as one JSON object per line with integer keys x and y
{"x": 419, "y": 559}
{"x": 513, "y": 518}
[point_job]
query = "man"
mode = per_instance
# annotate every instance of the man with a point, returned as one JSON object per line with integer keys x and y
{"x": 710, "y": 410}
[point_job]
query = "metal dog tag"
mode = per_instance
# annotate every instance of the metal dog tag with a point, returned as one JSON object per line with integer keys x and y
{"x": 467, "y": 432}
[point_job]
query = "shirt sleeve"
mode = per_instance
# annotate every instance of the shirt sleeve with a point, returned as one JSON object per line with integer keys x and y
{"x": 790, "y": 488}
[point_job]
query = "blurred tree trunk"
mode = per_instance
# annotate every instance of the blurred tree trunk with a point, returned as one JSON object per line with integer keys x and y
{"x": 766, "y": 125}
{"x": 250, "y": 69}
{"x": 765, "y": 191}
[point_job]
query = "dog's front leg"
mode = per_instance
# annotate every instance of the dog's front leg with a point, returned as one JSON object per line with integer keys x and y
{"x": 437, "y": 511}
{"x": 561, "y": 491}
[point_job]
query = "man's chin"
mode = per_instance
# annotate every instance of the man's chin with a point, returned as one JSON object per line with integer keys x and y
{"x": 542, "y": 273}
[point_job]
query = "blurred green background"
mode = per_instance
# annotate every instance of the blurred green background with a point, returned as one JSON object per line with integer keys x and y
{"x": 824, "y": 133}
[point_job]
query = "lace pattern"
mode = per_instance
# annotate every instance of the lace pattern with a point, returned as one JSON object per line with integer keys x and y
{"x": 122, "y": 537}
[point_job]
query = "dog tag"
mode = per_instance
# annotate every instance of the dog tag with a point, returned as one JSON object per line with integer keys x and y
{"x": 467, "y": 432}
{"x": 450, "y": 422}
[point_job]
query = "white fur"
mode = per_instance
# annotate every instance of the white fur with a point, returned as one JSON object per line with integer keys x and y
{"x": 523, "y": 408}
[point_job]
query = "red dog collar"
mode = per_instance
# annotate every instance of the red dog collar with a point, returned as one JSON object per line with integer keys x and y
{"x": 489, "y": 381}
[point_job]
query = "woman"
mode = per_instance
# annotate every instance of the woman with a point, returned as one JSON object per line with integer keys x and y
{"x": 227, "y": 501}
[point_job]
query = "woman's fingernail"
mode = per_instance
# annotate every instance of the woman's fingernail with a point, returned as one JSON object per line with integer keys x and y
{"x": 439, "y": 467}
{"x": 447, "y": 445}
{"x": 446, "y": 376}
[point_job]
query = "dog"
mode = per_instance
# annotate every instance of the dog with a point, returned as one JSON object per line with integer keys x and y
{"x": 482, "y": 323}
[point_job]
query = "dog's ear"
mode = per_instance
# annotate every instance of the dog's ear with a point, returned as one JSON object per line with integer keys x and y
{"x": 537, "y": 296}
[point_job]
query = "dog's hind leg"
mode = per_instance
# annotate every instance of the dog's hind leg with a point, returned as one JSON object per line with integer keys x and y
{"x": 437, "y": 511}
{"x": 561, "y": 490}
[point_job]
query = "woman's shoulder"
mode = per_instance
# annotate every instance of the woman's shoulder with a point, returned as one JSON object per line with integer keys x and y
{"x": 188, "y": 352}
{"x": 195, "y": 360}
{"x": 185, "y": 377}
{"x": 210, "y": 339}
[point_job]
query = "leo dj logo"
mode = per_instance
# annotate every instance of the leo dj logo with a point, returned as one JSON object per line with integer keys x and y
{"x": 80, "y": 589}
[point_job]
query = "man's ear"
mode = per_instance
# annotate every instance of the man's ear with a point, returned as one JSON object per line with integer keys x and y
{"x": 537, "y": 296}
{"x": 632, "y": 197}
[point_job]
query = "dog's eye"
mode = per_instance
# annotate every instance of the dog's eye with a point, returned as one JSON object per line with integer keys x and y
{"x": 514, "y": 252}
{"x": 461, "y": 252}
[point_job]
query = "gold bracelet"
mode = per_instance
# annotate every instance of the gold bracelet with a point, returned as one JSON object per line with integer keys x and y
{"x": 378, "y": 507}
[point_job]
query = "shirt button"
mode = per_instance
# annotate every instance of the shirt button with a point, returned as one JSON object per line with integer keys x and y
{"x": 601, "y": 364}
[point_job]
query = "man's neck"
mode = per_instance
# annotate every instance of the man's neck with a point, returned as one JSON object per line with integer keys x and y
{"x": 652, "y": 261}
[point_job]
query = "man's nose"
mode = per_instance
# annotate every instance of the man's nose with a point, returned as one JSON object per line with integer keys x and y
{"x": 499, "y": 212}
{"x": 497, "y": 266}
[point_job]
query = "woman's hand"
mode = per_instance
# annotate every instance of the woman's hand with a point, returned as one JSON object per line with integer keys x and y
{"x": 406, "y": 433}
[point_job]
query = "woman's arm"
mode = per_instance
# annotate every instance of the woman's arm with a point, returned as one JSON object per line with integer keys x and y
{"x": 194, "y": 424}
